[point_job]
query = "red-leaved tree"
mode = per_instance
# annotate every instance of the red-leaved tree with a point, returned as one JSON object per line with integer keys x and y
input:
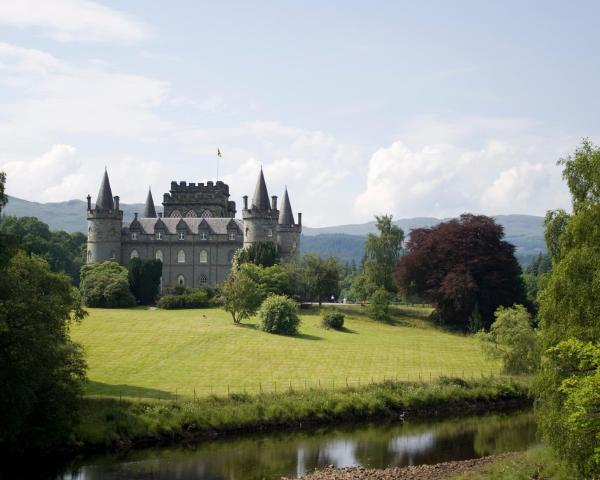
{"x": 465, "y": 268}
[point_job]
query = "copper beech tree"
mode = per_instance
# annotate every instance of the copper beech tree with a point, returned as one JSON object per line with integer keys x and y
{"x": 465, "y": 268}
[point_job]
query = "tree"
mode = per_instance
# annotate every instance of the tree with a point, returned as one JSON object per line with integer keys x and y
{"x": 241, "y": 296}
{"x": 279, "y": 314}
{"x": 379, "y": 305}
{"x": 144, "y": 279}
{"x": 319, "y": 278}
{"x": 382, "y": 253}
{"x": 513, "y": 340}
{"x": 105, "y": 284}
{"x": 567, "y": 384}
{"x": 265, "y": 254}
{"x": 275, "y": 279}
{"x": 3, "y": 197}
{"x": 462, "y": 266}
{"x": 41, "y": 368}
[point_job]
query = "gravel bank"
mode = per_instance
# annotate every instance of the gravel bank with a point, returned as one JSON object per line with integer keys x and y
{"x": 420, "y": 472}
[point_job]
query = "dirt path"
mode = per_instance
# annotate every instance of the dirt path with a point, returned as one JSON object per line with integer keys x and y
{"x": 420, "y": 472}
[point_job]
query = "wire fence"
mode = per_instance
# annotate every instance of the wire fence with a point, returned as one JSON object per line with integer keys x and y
{"x": 258, "y": 387}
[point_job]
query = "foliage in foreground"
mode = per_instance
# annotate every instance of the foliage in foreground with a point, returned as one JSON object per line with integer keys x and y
{"x": 192, "y": 299}
{"x": 333, "y": 320}
{"x": 144, "y": 279}
{"x": 513, "y": 340}
{"x": 279, "y": 314}
{"x": 105, "y": 284}
{"x": 41, "y": 369}
{"x": 108, "y": 422}
{"x": 463, "y": 267}
{"x": 241, "y": 296}
{"x": 379, "y": 305}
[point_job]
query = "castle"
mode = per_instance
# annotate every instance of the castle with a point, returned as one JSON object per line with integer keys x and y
{"x": 198, "y": 234}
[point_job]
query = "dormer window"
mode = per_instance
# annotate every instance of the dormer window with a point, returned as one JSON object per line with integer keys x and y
{"x": 134, "y": 235}
{"x": 203, "y": 236}
{"x": 269, "y": 233}
{"x": 181, "y": 236}
{"x": 231, "y": 235}
{"x": 159, "y": 235}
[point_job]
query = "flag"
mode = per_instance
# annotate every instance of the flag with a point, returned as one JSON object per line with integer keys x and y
{"x": 219, "y": 153}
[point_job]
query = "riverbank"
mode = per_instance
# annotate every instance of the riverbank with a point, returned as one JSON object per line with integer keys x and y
{"x": 117, "y": 424}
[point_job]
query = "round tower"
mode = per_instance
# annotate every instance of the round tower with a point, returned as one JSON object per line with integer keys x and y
{"x": 104, "y": 225}
{"x": 288, "y": 231}
{"x": 260, "y": 220}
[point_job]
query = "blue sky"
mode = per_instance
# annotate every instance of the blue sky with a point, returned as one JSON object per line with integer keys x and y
{"x": 360, "y": 108}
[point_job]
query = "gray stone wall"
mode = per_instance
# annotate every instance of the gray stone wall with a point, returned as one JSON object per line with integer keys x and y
{"x": 260, "y": 226}
{"x": 104, "y": 236}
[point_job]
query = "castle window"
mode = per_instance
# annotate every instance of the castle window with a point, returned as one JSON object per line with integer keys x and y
{"x": 134, "y": 254}
{"x": 207, "y": 214}
{"x": 181, "y": 256}
{"x": 203, "y": 279}
{"x": 269, "y": 233}
{"x": 159, "y": 235}
{"x": 159, "y": 255}
{"x": 134, "y": 235}
{"x": 203, "y": 256}
{"x": 175, "y": 214}
{"x": 230, "y": 255}
{"x": 203, "y": 236}
{"x": 89, "y": 256}
{"x": 181, "y": 280}
{"x": 181, "y": 236}
{"x": 231, "y": 235}
{"x": 113, "y": 255}
{"x": 191, "y": 214}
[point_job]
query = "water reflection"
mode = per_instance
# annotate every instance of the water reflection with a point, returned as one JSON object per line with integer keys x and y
{"x": 272, "y": 456}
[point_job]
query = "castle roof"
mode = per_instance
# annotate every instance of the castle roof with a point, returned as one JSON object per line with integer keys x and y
{"x": 105, "y": 199}
{"x": 149, "y": 208}
{"x": 260, "y": 201}
{"x": 219, "y": 226}
{"x": 286, "y": 216}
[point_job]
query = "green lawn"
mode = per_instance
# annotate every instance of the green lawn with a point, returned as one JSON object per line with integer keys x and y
{"x": 159, "y": 353}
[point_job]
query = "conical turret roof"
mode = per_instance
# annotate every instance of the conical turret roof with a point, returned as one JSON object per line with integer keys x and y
{"x": 105, "y": 199}
{"x": 286, "y": 216}
{"x": 260, "y": 201}
{"x": 149, "y": 208}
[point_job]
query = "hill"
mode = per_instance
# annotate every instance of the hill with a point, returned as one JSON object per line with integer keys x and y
{"x": 526, "y": 232}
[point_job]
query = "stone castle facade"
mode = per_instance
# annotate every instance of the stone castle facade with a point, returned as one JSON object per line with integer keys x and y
{"x": 198, "y": 234}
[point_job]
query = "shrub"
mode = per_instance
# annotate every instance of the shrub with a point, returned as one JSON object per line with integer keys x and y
{"x": 192, "y": 299}
{"x": 379, "y": 305}
{"x": 333, "y": 320}
{"x": 105, "y": 284}
{"x": 279, "y": 314}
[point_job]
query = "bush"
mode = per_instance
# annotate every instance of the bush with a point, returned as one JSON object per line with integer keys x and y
{"x": 379, "y": 305}
{"x": 279, "y": 314}
{"x": 191, "y": 299}
{"x": 105, "y": 284}
{"x": 333, "y": 320}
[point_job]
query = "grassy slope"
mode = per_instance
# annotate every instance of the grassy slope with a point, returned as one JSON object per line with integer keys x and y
{"x": 155, "y": 353}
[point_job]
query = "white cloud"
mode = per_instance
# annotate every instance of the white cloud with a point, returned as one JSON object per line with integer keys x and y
{"x": 73, "y": 20}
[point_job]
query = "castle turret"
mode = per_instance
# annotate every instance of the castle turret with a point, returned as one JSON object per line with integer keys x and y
{"x": 288, "y": 231}
{"x": 260, "y": 220}
{"x": 149, "y": 208}
{"x": 104, "y": 225}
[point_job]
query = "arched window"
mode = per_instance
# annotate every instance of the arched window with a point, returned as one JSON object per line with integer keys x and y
{"x": 113, "y": 255}
{"x": 203, "y": 279}
{"x": 175, "y": 214}
{"x": 230, "y": 255}
{"x": 207, "y": 214}
{"x": 134, "y": 254}
{"x": 181, "y": 256}
{"x": 89, "y": 256}
{"x": 181, "y": 280}
{"x": 159, "y": 255}
{"x": 203, "y": 256}
{"x": 191, "y": 214}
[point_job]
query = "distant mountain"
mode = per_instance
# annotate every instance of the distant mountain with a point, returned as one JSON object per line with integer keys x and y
{"x": 526, "y": 232}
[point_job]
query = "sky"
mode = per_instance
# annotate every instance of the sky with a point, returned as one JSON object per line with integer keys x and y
{"x": 359, "y": 108}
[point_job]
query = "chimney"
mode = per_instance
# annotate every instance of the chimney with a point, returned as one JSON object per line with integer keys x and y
{"x": 245, "y": 197}
{"x": 117, "y": 203}
{"x": 299, "y": 219}
{"x": 160, "y": 214}
{"x": 89, "y": 199}
{"x": 274, "y": 202}
{"x": 135, "y": 216}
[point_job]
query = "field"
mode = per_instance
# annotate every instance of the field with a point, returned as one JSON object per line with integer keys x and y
{"x": 180, "y": 353}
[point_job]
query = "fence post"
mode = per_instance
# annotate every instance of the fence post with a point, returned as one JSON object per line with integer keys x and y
{"x": 175, "y": 395}
{"x": 227, "y": 389}
{"x": 260, "y": 386}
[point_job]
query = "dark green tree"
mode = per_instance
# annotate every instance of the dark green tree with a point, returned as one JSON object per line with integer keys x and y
{"x": 41, "y": 369}
{"x": 265, "y": 254}
{"x": 379, "y": 305}
{"x": 241, "y": 296}
{"x": 105, "y": 284}
{"x": 320, "y": 279}
{"x": 382, "y": 253}
{"x": 144, "y": 279}
{"x": 3, "y": 197}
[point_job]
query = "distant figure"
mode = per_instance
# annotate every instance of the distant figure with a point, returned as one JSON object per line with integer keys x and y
{"x": 344, "y": 301}
{"x": 332, "y": 299}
